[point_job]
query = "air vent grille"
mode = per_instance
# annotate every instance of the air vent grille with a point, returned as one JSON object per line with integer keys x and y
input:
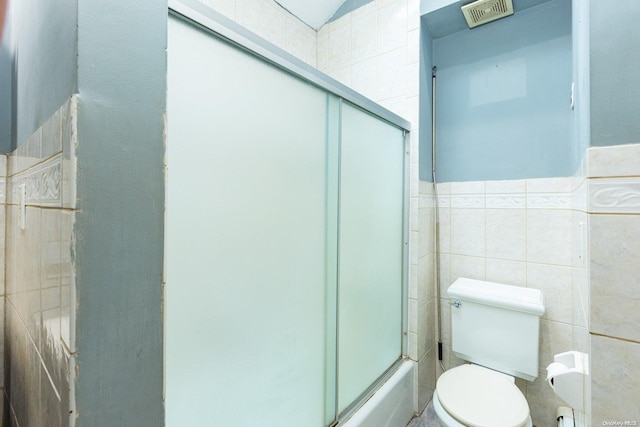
{"x": 484, "y": 11}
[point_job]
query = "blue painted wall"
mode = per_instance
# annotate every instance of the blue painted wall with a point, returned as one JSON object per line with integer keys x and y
{"x": 615, "y": 71}
{"x": 503, "y": 109}
{"x": 42, "y": 58}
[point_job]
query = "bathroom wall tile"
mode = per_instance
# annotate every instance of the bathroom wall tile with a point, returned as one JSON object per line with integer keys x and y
{"x": 615, "y": 366}
{"x": 413, "y": 14}
{"x": 51, "y": 411}
{"x": 413, "y": 46}
{"x": 581, "y": 296}
{"x": 555, "y": 283}
{"x": 340, "y": 47}
{"x": 413, "y": 81}
{"x": 413, "y": 316}
{"x": 2, "y": 347}
{"x": 445, "y": 274}
{"x": 426, "y": 278}
{"x": 2, "y": 252}
{"x": 426, "y": 378}
{"x": 414, "y": 216}
{"x": 364, "y": 77}
{"x": 427, "y": 222}
{"x": 506, "y": 234}
{"x": 322, "y": 45}
{"x": 549, "y": 185}
{"x": 364, "y": 34}
{"x": 51, "y": 136}
{"x": 413, "y": 112}
{"x": 412, "y": 346}
{"x": 426, "y": 331}
{"x": 468, "y": 187}
{"x": 392, "y": 73}
{"x": 506, "y": 272}
{"x": 414, "y": 148}
{"x": 549, "y": 236}
{"x": 615, "y": 275}
{"x": 413, "y": 281}
{"x": 263, "y": 17}
{"x": 17, "y": 363}
{"x": 225, "y": 7}
{"x": 344, "y": 20}
{"x": 301, "y": 40}
{"x": 468, "y": 232}
{"x": 34, "y": 400}
{"x": 445, "y": 318}
{"x": 614, "y": 195}
{"x": 579, "y": 239}
{"x": 392, "y": 26}
{"x": 469, "y": 267}
{"x": 620, "y": 160}
{"x": 506, "y": 201}
{"x": 555, "y": 338}
{"x": 69, "y": 146}
{"x": 543, "y": 403}
{"x": 413, "y": 247}
{"x": 414, "y": 171}
{"x": 67, "y": 281}
{"x": 444, "y": 229}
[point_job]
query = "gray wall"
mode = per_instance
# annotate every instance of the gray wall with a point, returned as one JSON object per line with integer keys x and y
{"x": 119, "y": 226}
{"x": 43, "y": 35}
{"x": 615, "y": 66}
{"x": 6, "y": 94}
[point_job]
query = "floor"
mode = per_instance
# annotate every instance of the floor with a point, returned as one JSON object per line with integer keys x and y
{"x": 426, "y": 419}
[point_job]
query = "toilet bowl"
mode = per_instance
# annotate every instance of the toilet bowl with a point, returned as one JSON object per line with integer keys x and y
{"x": 471, "y": 395}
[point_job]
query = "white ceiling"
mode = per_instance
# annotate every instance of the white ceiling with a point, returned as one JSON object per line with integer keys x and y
{"x": 314, "y": 13}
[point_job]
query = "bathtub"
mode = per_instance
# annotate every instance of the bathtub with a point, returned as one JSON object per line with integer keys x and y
{"x": 392, "y": 405}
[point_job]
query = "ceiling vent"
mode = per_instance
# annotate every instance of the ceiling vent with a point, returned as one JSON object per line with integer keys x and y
{"x": 484, "y": 11}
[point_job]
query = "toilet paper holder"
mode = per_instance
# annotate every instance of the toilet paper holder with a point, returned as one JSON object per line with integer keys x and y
{"x": 566, "y": 376}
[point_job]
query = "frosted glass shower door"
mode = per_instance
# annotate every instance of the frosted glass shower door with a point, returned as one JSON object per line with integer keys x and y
{"x": 245, "y": 239}
{"x": 370, "y": 251}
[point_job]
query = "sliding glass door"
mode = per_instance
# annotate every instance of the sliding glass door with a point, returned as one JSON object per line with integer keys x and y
{"x": 284, "y": 242}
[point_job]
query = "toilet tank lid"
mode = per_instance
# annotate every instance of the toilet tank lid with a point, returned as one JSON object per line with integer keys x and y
{"x": 498, "y": 295}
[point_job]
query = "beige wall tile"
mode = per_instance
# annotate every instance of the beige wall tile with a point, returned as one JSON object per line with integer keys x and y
{"x": 506, "y": 272}
{"x": 615, "y": 275}
{"x": 620, "y": 160}
{"x": 615, "y": 366}
{"x": 392, "y": 26}
{"x": 555, "y": 338}
{"x": 364, "y": 33}
{"x": 549, "y": 236}
{"x": 426, "y": 329}
{"x": 555, "y": 283}
{"x": 468, "y": 232}
{"x": 426, "y": 378}
{"x": 469, "y": 267}
{"x": 507, "y": 234}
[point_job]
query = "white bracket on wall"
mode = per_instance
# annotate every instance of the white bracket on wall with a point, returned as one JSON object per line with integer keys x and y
{"x": 22, "y": 206}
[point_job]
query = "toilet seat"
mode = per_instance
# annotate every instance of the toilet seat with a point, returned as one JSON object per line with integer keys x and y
{"x": 479, "y": 397}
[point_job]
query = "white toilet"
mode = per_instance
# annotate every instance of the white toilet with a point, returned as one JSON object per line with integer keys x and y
{"x": 496, "y": 328}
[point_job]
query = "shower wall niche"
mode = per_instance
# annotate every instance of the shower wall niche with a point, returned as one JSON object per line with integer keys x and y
{"x": 505, "y": 97}
{"x": 285, "y": 242}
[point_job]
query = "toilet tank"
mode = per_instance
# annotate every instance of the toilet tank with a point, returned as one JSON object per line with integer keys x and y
{"x": 496, "y": 326}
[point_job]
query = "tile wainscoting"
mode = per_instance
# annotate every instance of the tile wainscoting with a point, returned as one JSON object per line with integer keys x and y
{"x": 39, "y": 274}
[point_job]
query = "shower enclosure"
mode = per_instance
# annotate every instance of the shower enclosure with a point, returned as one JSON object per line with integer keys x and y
{"x": 286, "y": 235}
